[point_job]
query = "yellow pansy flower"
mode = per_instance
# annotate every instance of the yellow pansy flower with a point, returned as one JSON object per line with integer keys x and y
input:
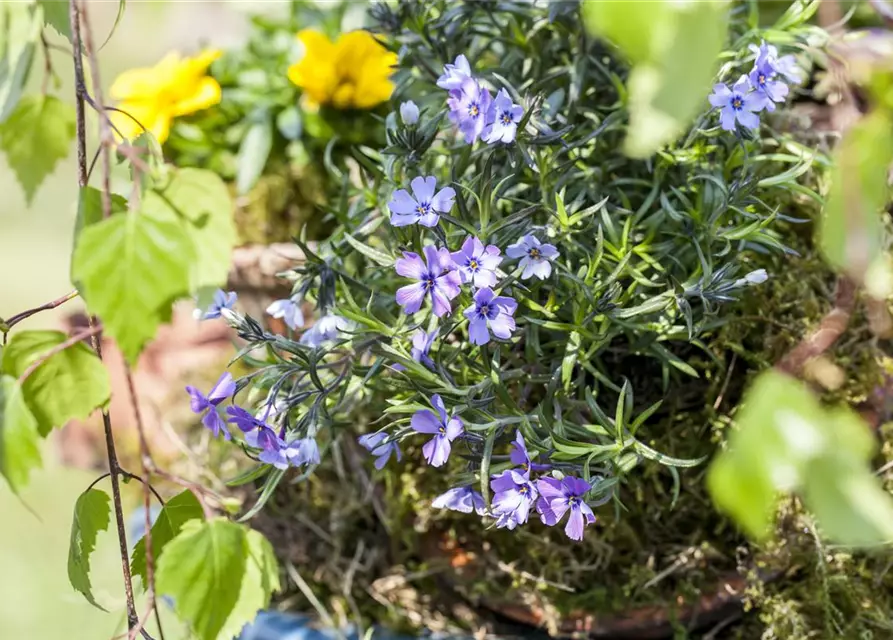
{"x": 156, "y": 95}
{"x": 352, "y": 72}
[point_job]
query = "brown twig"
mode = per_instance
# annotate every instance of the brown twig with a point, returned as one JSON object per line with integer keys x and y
{"x": 11, "y": 322}
{"x": 62, "y": 346}
{"x": 75, "y": 13}
{"x": 48, "y": 71}
{"x": 830, "y": 328}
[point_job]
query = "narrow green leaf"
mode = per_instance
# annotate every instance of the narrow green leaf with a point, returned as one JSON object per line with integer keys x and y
{"x": 570, "y": 358}
{"x": 20, "y": 26}
{"x": 92, "y": 514}
{"x": 69, "y": 385}
{"x": 176, "y": 512}
{"x": 41, "y": 123}
{"x": 19, "y": 438}
{"x": 254, "y": 151}
{"x": 649, "y": 453}
{"x": 485, "y": 465}
{"x": 199, "y": 201}
{"x": 130, "y": 268}
{"x": 373, "y": 254}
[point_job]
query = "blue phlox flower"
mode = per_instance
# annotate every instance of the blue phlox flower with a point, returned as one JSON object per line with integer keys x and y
{"x": 461, "y": 499}
{"x": 421, "y": 345}
{"x": 423, "y": 206}
{"x": 222, "y": 300}
{"x": 785, "y": 65}
{"x": 557, "y": 497}
{"x": 520, "y": 456}
{"x": 302, "y": 451}
{"x": 506, "y": 520}
{"x": 454, "y": 74}
{"x": 477, "y": 264}
{"x": 289, "y": 311}
{"x": 444, "y": 428}
{"x": 327, "y": 329}
{"x": 513, "y": 493}
{"x": 469, "y": 106}
{"x": 378, "y": 445}
{"x": 736, "y": 104}
{"x": 409, "y": 112}
{"x": 207, "y": 404}
{"x": 503, "y": 119}
{"x": 536, "y": 257}
{"x": 763, "y": 80}
{"x": 436, "y": 277}
{"x": 490, "y": 312}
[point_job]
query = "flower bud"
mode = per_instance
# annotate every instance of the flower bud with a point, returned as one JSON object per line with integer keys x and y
{"x": 409, "y": 112}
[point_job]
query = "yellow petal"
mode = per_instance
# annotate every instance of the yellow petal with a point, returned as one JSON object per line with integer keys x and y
{"x": 144, "y": 82}
{"x": 344, "y": 96}
{"x": 315, "y": 71}
{"x": 205, "y": 93}
{"x": 367, "y": 64}
{"x": 146, "y": 114}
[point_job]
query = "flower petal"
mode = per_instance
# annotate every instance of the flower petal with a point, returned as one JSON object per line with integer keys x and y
{"x": 437, "y": 403}
{"x": 424, "y": 421}
{"x": 401, "y": 220}
{"x": 549, "y": 487}
{"x": 437, "y": 451}
{"x": 223, "y": 388}
{"x": 411, "y": 297}
{"x": 443, "y": 201}
{"x": 423, "y": 188}
{"x": 477, "y": 331}
{"x": 197, "y": 400}
{"x": 402, "y": 203}
{"x": 410, "y": 266}
{"x": 502, "y": 326}
{"x": 454, "y": 428}
{"x": 575, "y": 525}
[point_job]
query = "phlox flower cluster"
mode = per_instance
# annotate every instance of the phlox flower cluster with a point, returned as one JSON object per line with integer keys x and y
{"x": 759, "y": 90}
{"x": 474, "y": 111}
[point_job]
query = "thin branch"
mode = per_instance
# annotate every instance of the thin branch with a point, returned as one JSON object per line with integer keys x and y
{"x": 75, "y": 13}
{"x": 48, "y": 71}
{"x": 830, "y": 328}
{"x": 62, "y": 346}
{"x": 11, "y": 322}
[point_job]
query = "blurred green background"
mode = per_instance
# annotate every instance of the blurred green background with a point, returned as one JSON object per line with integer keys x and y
{"x": 36, "y": 600}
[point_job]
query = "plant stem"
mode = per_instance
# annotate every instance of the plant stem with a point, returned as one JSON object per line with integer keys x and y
{"x": 11, "y": 322}
{"x": 74, "y": 14}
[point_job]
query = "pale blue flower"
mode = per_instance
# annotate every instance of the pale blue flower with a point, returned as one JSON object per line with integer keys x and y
{"x": 289, "y": 311}
{"x": 424, "y": 206}
{"x": 222, "y": 300}
{"x": 536, "y": 257}
{"x": 736, "y": 104}
{"x": 454, "y": 74}
{"x": 503, "y": 119}
{"x": 409, "y": 112}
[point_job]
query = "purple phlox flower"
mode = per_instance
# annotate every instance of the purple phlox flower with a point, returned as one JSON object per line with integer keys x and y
{"x": 423, "y": 206}
{"x": 454, "y": 74}
{"x": 207, "y": 404}
{"x": 222, "y": 300}
{"x": 469, "y": 106}
{"x": 462, "y": 499}
{"x": 409, "y": 112}
{"x": 444, "y": 428}
{"x": 521, "y": 457}
{"x": 302, "y": 451}
{"x": 259, "y": 435}
{"x": 762, "y": 79}
{"x": 421, "y": 345}
{"x": 477, "y": 264}
{"x": 736, "y": 104}
{"x": 289, "y": 311}
{"x": 378, "y": 445}
{"x": 785, "y": 65}
{"x": 536, "y": 258}
{"x": 557, "y": 497}
{"x": 436, "y": 279}
{"x": 506, "y": 520}
{"x": 513, "y": 493}
{"x": 493, "y": 312}
{"x": 503, "y": 119}
{"x": 327, "y": 328}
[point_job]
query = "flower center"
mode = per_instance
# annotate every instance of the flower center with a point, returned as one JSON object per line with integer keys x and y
{"x": 573, "y": 502}
{"x": 473, "y": 264}
{"x": 484, "y": 310}
{"x": 506, "y": 117}
{"x": 441, "y": 430}
{"x": 423, "y": 208}
{"x": 428, "y": 281}
{"x": 737, "y": 103}
{"x": 523, "y": 490}
{"x": 761, "y": 79}
{"x": 534, "y": 253}
{"x": 474, "y": 110}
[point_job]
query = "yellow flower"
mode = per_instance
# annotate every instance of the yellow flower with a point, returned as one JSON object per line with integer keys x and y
{"x": 155, "y": 96}
{"x": 353, "y": 72}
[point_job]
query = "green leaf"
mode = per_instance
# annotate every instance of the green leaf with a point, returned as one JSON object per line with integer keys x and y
{"x": 55, "y": 14}
{"x": 19, "y": 439}
{"x": 787, "y": 442}
{"x": 90, "y": 212}
{"x": 199, "y": 201}
{"x": 35, "y": 137}
{"x": 92, "y": 514}
{"x": 69, "y": 385}
{"x": 20, "y": 26}
{"x": 254, "y": 151}
{"x": 130, "y": 268}
{"x": 373, "y": 254}
{"x": 179, "y": 510}
{"x": 674, "y": 48}
{"x": 219, "y": 574}
{"x": 852, "y": 226}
